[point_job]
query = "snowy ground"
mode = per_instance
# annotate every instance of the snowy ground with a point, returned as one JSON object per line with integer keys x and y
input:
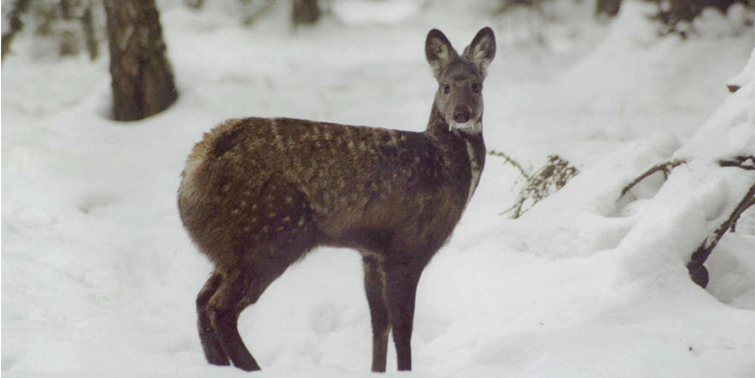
{"x": 99, "y": 278}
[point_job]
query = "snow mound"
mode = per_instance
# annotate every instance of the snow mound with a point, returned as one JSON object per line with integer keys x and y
{"x": 746, "y": 76}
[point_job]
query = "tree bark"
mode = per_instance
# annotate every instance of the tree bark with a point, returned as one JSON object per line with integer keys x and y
{"x": 69, "y": 40}
{"x": 87, "y": 23}
{"x": 14, "y": 18}
{"x": 142, "y": 78}
{"x": 608, "y": 7}
{"x": 304, "y": 12}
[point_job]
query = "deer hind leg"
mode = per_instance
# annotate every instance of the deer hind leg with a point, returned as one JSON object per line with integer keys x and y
{"x": 213, "y": 349}
{"x": 223, "y": 309}
{"x": 374, "y": 285}
{"x": 401, "y": 289}
{"x": 236, "y": 291}
{"x": 243, "y": 286}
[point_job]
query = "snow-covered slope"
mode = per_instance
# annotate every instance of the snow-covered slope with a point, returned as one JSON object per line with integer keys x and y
{"x": 99, "y": 278}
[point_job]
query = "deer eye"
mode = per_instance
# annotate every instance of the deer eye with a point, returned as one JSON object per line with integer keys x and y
{"x": 476, "y": 87}
{"x": 446, "y": 88}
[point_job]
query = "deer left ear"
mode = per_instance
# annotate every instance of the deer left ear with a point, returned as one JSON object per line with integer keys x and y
{"x": 439, "y": 51}
{"x": 482, "y": 49}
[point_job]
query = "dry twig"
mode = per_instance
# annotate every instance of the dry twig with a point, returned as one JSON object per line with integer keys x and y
{"x": 546, "y": 181}
{"x": 510, "y": 161}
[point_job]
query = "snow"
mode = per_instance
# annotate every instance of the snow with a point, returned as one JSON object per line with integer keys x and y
{"x": 99, "y": 278}
{"x": 367, "y": 12}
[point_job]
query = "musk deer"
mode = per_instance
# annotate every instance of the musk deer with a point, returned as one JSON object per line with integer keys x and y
{"x": 257, "y": 194}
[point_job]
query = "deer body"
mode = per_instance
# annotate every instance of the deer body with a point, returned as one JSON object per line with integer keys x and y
{"x": 257, "y": 194}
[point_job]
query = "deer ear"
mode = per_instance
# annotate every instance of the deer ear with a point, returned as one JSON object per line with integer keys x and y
{"x": 482, "y": 49}
{"x": 439, "y": 51}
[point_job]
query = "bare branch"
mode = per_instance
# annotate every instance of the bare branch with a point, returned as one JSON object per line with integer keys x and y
{"x": 257, "y": 13}
{"x": 697, "y": 271}
{"x": 744, "y": 162}
{"x": 665, "y": 168}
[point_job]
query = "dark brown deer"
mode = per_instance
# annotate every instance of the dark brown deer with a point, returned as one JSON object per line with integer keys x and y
{"x": 257, "y": 194}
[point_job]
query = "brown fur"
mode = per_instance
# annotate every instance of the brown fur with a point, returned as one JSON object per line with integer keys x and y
{"x": 257, "y": 194}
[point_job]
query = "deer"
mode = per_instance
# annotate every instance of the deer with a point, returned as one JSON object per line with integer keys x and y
{"x": 257, "y": 194}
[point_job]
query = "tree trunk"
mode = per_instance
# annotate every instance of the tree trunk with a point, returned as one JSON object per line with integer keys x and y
{"x": 685, "y": 10}
{"x": 304, "y": 12}
{"x": 608, "y": 7}
{"x": 142, "y": 78}
{"x": 87, "y": 23}
{"x": 14, "y": 18}
{"x": 65, "y": 26}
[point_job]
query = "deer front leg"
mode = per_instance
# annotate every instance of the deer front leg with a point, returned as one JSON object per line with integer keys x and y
{"x": 401, "y": 289}
{"x": 374, "y": 285}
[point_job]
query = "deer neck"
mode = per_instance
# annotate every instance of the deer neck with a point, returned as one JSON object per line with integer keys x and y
{"x": 465, "y": 150}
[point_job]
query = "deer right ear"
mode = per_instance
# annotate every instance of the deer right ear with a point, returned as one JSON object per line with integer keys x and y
{"x": 439, "y": 51}
{"x": 482, "y": 49}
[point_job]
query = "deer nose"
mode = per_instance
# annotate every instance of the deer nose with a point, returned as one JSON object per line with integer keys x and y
{"x": 461, "y": 115}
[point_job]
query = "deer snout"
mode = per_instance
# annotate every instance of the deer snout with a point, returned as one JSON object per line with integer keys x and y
{"x": 461, "y": 115}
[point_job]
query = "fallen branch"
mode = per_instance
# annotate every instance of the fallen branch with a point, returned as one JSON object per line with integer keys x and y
{"x": 744, "y": 162}
{"x": 697, "y": 271}
{"x": 665, "y": 168}
{"x": 256, "y": 14}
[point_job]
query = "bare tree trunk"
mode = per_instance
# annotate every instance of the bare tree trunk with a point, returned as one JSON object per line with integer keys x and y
{"x": 14, "y": 18}
{"x": 685, "y": 10}
{"x": 608, "y": 7}
{"x": 87, "y": 23}
{"x": 304, "y": 12}
{"x": 142, "y": 78}
{"x": 69, "y": 41}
